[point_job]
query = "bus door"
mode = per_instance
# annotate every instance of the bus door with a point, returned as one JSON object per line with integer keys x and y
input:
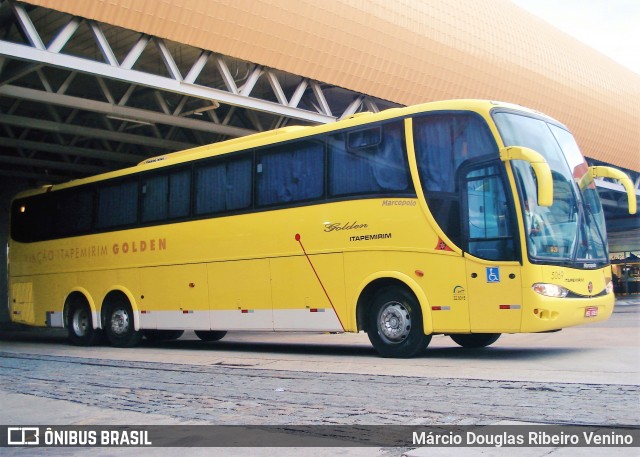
{"x": 491, "y": 253}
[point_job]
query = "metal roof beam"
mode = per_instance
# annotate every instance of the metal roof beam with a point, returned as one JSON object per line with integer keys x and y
{"x": 63, "y": 37}
{"x": 353, "y": 107}
{"x": 89, "y": 132}
{"x": 26, "y": 25}
{"x": 317, "y": 90}
{"x": 20, "y": 70}
{"x": 103, "y": 43}
{"x": 613, "y": 186}
{"x": 45, "y": 177}
{"x": 135, "y": 52}
{"x": 125, "y": 112}
{"x": 29, "y": 53}
{"x": 168, "y": 60}
{"x": 197, "y": 67}
{"x": 298, "y": 93}
{"x": 65, "y": 150}
{"x": 229, "y": 82}
{"x": 277, "y": 88}
{"x": 52, "y": 164}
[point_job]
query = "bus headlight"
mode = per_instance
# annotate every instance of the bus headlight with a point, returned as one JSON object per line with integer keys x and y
{"x": 550, "y": 290}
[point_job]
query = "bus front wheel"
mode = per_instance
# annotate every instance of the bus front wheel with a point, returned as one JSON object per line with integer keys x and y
{"x": 119, "y": 326}
{"x": 80, "y": 326}
{"x": 395, "y": 324}
{"x": 475, "y": 340}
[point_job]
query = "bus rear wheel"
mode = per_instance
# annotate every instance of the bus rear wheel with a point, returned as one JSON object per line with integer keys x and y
{"x": 80, "y": 326}
{"x": 475, "y": 340}
{"x": 395, "y": 324}
{"x": 210, "y": 335}
{"x": 120, "y": 327}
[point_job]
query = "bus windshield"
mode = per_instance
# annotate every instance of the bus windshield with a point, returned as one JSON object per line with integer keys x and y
{"x": 572, "y": 230}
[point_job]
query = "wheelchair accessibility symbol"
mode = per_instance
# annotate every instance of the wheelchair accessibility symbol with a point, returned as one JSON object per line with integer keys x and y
{"x": 493, "y": 274}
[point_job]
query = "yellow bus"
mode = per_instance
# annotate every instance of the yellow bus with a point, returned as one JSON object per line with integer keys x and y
{"x": 466, "y": 218}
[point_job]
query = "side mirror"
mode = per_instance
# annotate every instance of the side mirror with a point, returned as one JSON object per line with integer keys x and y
{"x": 608, "y": 172}
{"x": 540, "y": 168}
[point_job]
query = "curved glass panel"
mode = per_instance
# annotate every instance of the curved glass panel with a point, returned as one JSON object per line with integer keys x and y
{"x": 572, "y": 229}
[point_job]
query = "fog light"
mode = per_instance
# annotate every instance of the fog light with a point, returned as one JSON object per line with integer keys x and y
{"x": 550, "y": 290}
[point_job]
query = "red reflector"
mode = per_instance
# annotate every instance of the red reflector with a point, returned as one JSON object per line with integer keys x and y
{"x": 419, "y": 273}
{"x": 184, "y": 311}
{"x": 313, "y": 310}
{"x": 245, "y": 311}
{"x": 436, "y": 308}
{"x": 505, "y": 306}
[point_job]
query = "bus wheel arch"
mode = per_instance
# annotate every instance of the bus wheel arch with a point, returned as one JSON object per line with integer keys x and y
{"x": 475, "y": 340}
{"x": 392, "y": 315}
{"x": 374, "y": 284}
{"x": 120, "y": 319}
{"x": 80, "y": 319}
{"x": 162, "y": 335}
{"x": 210, "y": 335}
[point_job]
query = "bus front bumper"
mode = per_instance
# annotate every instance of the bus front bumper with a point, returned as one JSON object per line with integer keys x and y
{"x": 541, "y": 314}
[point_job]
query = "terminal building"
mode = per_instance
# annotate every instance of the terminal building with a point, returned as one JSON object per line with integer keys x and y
{"x": 88, "y": 87}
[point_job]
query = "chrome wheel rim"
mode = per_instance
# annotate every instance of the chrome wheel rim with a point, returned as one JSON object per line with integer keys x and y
{"x": 394, "y": 322}
{"x": 80, "y": 322}
{"x": 120, "y": 322}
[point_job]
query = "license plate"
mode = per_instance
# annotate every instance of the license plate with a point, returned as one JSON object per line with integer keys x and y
{"x": 591, "y": 311}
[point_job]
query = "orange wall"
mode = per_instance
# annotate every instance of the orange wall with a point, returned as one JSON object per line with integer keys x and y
{"x": 409, "y": 52}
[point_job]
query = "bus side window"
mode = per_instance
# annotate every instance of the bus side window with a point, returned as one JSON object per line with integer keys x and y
{"x": 179, "y": 193}
{"x": 118, "y": 204}
{"x": 224, "y": 185}
{"x": 445, "y": 142}
{"x": 489, "y": 216}
{"x": 166, "y": 196}
{"x": 155, "y": 194}
{"x": 74, "y": 211}
{"x": 32, "y": 219}
{"x": 290, "y": 173}
{"x": 370, "y": 161}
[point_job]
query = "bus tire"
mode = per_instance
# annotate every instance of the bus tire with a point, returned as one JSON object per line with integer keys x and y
{"x": 119, "y": 326}
{"x": 80, "y": 325}
{"x": 162, "y": 335}
{"x": 210, "y": 335}
{"x": 395, "y": 324}
{"x": 475, "y": 340}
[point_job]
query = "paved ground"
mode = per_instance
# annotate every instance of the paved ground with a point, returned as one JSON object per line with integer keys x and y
{"x": 234, "y": 395}
{"x": 583, "y": 375}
